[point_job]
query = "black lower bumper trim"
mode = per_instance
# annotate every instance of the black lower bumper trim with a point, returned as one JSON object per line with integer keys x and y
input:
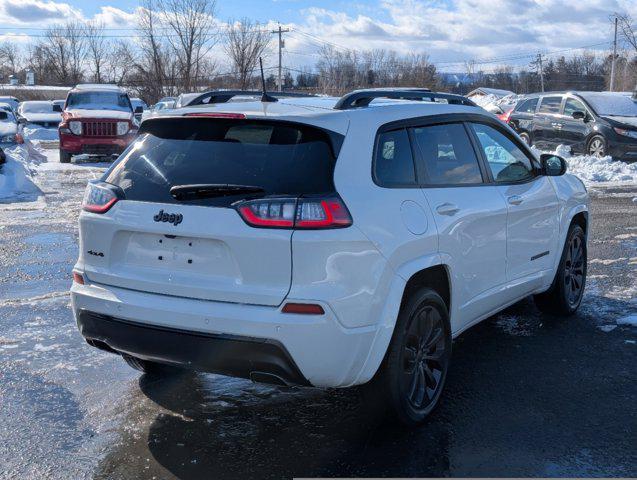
{"x": 246, "y": 357}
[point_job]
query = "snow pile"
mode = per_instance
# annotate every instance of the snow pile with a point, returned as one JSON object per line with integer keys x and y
{"x": 35, "y": 132}
{"x": 16, "y": 175}
{"x": 591, "y": 169}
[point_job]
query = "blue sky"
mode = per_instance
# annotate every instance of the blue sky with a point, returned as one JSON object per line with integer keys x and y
{"x": 451, "y": 32}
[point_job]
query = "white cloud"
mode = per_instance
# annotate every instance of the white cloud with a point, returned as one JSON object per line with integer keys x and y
{"x": 36, "y": 11}
{"x": 469, "y": 29}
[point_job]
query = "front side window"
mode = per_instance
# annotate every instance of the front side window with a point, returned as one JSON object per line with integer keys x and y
{"x": 447, "y": 154}
{"x": 550, "y": 105}
{"x": 527, "y": 106}
{"x": 508, "y": 163}
{"x": 394, "y": 164}
{"x": 573, "y": 105}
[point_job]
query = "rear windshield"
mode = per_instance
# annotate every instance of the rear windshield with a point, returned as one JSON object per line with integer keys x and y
{"x": 279, "y": 158}
{"x": 99, "y": 101}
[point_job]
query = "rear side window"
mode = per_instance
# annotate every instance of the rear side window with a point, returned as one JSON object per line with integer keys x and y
{"x": 550, "y": 105}
{"x": 527, "y": 106}
{"x": 447, "y": 154}
{"x": 393, "y": 161}
{"x": 278, "y": 158}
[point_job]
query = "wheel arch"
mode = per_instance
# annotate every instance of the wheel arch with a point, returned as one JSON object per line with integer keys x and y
{"x": 432, "y": 273}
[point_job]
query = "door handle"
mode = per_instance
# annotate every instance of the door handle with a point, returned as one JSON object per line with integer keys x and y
{"x": 447, "y": 209}
{"x": 515, "y": 199}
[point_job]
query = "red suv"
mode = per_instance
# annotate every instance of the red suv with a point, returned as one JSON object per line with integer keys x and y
{"x": 97, "y": 120}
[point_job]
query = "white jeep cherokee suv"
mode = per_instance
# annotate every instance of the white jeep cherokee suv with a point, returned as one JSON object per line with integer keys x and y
{"x": 310, "y": 241}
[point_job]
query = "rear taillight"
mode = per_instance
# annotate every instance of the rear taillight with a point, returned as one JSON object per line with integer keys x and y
{"x": 308, "y": 213}
{"x": 99, "y": 197}
{"x": 506, "y": 116}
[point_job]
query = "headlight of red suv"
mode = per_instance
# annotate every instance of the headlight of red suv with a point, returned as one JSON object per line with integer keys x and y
{"x": 75, "y": 127}
{"x": 122, "y": 128}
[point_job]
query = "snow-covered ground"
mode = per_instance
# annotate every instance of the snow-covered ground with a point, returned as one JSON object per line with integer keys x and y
{"x": 596, "y": 171}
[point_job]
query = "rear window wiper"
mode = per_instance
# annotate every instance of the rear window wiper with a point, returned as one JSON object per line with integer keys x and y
{"x": 209, "y": 190}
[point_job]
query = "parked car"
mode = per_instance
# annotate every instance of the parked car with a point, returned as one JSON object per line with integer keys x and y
{"x": 13, "y": 101}
{"x": 39, "y": 112}
{"x": 324, "y": 242}
{"x": 592, "y": 123}
{"x": 156, "y": 109}
{"x": 139, "y": 106}
{"x": 8, "y": 127}
{"x": 97, "y": 120}
{"x": 185, "y": 98}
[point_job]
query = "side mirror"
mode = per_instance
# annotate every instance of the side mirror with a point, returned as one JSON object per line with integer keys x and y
{"x": 139, "y": 109}
{"x": 578, "y": 115}
{"x": 552, "y": 165}
{"x": 57, "y": 108}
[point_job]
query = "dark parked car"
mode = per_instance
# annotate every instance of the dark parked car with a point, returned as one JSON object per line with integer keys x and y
{"x": 594, "y": 123}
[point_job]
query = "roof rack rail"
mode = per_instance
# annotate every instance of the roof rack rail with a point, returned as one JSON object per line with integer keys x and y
{"x": 362, "y": 98}
{"x": 223, "y": 96}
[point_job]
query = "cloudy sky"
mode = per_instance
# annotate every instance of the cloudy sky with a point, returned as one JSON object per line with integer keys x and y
{"x": 450, "y": 31}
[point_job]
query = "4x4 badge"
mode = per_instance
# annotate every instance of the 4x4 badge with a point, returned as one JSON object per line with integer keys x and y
{"x": 174, "y": 218}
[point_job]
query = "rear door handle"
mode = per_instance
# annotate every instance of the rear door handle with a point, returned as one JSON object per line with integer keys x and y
{"x": 447, "y": 209}
{"x": 515, "y": 199}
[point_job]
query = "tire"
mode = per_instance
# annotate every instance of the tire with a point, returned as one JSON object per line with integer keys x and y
{"x": 151, "y": 368}
{"x": 65, "y": 157}
{"x": 565, "y": 295}
{"x": 417, "y": 359}
{"x": 597, "y": 146}
{"x": 526, "y": 138}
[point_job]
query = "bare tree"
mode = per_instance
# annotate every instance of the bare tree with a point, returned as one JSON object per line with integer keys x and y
{"x": 627, "y": 30}
{"x": 191, "y": 34}
{"x": 64, "y": 47}
{"x": 154, "y": 61}
{"x": 121, "y": 61}
{"x": 10, "y": 56}
{"x": 247, "y": 41}
{"x": 97, "y": 48}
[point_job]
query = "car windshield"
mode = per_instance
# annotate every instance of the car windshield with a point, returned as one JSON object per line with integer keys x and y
{"x": 36, "y": 107}
{"x": 99, "y": 101}
{"x": 612, "y": 104}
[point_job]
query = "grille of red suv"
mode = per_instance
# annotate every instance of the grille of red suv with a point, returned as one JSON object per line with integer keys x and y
{"x": 99, "y": 129}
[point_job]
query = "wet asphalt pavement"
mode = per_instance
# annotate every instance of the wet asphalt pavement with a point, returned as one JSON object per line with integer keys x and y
{"x": 527, "y": 394}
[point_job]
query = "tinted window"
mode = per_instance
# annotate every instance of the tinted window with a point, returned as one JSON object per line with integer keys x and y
{"x": 280, "y": 158}
{"x": 507, "y": 162}
{"x": 571, "y": 105}
{"x": 448, "y": 155}
{"x": 550, "y": 105}
{"x": 527, "y": 106}
{"x": 393, "y": 163}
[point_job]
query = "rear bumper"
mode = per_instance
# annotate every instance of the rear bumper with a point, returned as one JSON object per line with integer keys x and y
{"x": 226, "y": 338}
{"x": 255, "y": 358}
{"x": 94, "y": 145}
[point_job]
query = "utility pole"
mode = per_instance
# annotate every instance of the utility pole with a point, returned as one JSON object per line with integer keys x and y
{"x": 280, "y": 31}
{"x": 540, "y": 70}
{"x": 612, "y": 63}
